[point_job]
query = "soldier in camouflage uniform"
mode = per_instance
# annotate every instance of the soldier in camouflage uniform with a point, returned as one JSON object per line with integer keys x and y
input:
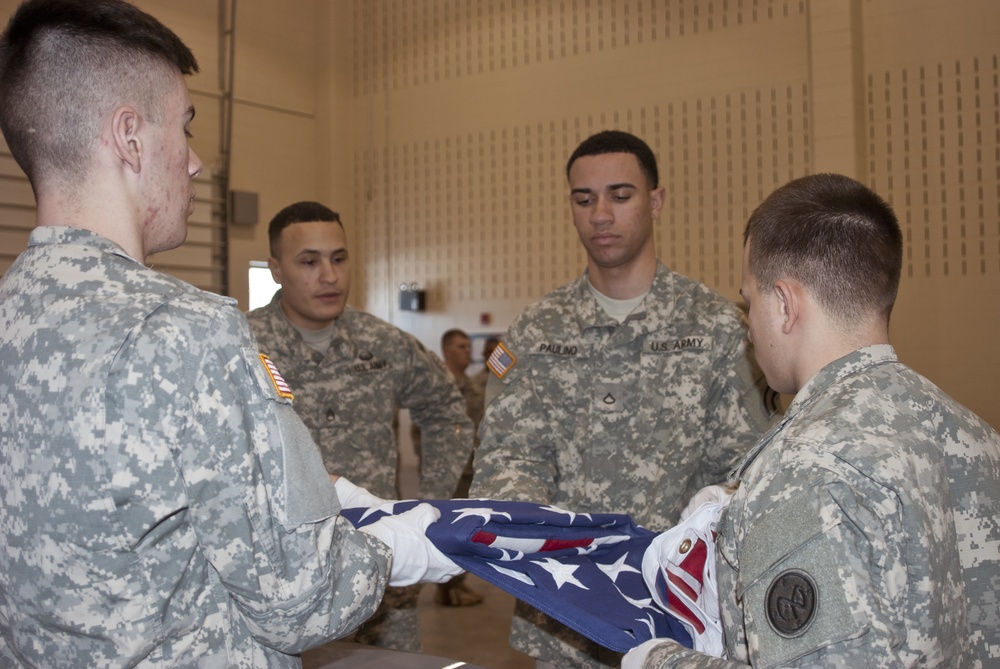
{"x": 480, "y": 378}
{"x": 456, "y": 349}
{"x": 162, "y": 503}
{"x": 626, "y": 391}
{"x": 866, "y": 528}
{"x": 350, "y": 372}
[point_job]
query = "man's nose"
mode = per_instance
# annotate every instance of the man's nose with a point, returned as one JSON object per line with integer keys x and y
{"x": 601, "y": 212}
{"x": 195, "y": 166}
{"x": 327, "y": 273}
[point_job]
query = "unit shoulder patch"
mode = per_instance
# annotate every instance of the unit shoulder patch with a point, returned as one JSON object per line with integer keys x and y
{"x": 791, "y": 603}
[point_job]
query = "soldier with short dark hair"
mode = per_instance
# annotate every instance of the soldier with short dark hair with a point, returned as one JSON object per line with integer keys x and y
{"x": 351, "y": 372}
{"x": 627, "y": 390}
{"x": 162, "y": 503}
{"x": 865, "y": 531}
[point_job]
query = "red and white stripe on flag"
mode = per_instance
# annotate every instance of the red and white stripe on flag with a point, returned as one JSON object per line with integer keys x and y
{"x": 679, "y": 570}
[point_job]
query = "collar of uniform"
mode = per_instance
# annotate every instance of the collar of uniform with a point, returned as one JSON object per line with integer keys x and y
{"x": 651, "y": 314}
{"x": 341, "y": 343}
{"x": 57, "y": 234}
{"x": 655, "y": 314}
{"x": 589, "y": 313}
{"x": 849, "y": 365}
{"x": 836, "y": 371}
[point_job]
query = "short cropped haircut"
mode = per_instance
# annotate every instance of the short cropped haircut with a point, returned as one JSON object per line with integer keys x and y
{"x": 299, "y": 212}
{"x": 833, "y": 235}
{"x": 448, "y": 336}
{"x": 65, "y": 65}
{"x": 618, "y": 141}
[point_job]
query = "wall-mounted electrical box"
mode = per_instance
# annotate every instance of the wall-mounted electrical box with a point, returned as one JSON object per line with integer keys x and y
{"x": 243, "y": 208}
{"x": 412, "y": 300}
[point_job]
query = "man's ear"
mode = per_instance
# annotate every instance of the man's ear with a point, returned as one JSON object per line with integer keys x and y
{"x": 272, "y": 264}
{"x": 125, "y": 139}
{"x": 788, "y": 300}
{"x": 656, "y": 199}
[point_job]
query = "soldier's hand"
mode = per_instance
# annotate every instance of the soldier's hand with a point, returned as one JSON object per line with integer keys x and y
{"x": 636, "y": 658}
{"x": 713, "y": 494}
{"x": 352, "y": 496}
{"x": 414, "y": 558}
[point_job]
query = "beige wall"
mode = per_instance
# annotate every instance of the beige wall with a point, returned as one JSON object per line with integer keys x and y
{"x": 440, "y": 129}
{"x": 474, "y": 107}
{"x": 280, "y": 89}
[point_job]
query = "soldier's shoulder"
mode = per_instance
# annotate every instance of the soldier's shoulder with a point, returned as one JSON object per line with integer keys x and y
{"x": 702, "y": 306}
{"x": 258, "y": 316}
{"x": 263, "y": 324}
{"x": 370, "y": 331}
{"x": 208, "y": 318}
{"x": 550, "y": 310}
{"x": 357, "y": 318}
{"x": 201, "y": 304}
{"x": 701, "y": 296}
{"x": 365, "y": 326}
{"x": 566, "y": 296}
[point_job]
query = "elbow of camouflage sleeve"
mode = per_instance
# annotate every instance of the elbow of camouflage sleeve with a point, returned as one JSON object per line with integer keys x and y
{"x": 348, "y": 584}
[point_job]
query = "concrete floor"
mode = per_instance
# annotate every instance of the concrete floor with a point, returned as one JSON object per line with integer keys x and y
{"x": 474, "y": 634}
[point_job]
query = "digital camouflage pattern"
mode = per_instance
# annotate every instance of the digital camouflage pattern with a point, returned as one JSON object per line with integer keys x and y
{"x": 880, "y": 495}
{"x": 474, "y": 394}
{"x": 618, "y": 418}
{"x": 348, "y": 399}
{"x": 161, "y": 501}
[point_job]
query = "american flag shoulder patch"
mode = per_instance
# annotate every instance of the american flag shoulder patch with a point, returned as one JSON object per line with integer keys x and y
{"x": 500, "y": 361}
{"x": 279, "y": 383}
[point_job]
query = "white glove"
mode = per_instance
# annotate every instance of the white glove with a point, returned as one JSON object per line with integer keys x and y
{"x": 710, "y": 494}
{"x": 414, "y": 558}
{"x": 352, "y": 496}
{"x": 635, "y": 658}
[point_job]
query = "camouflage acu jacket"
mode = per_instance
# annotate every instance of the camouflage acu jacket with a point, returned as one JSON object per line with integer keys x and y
{"x": 161, "y": 503}
{"x": 865, "y": 533}
{"x": 620, "y": 418}
{"x": 349, "y": 396}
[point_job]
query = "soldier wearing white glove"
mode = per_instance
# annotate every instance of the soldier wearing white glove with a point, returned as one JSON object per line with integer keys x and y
{"x": 353, "y": 496}
{"x": 414, "y": 558}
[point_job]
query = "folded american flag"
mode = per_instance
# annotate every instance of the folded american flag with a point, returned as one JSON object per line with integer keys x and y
{"x": 583, "y": 569}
